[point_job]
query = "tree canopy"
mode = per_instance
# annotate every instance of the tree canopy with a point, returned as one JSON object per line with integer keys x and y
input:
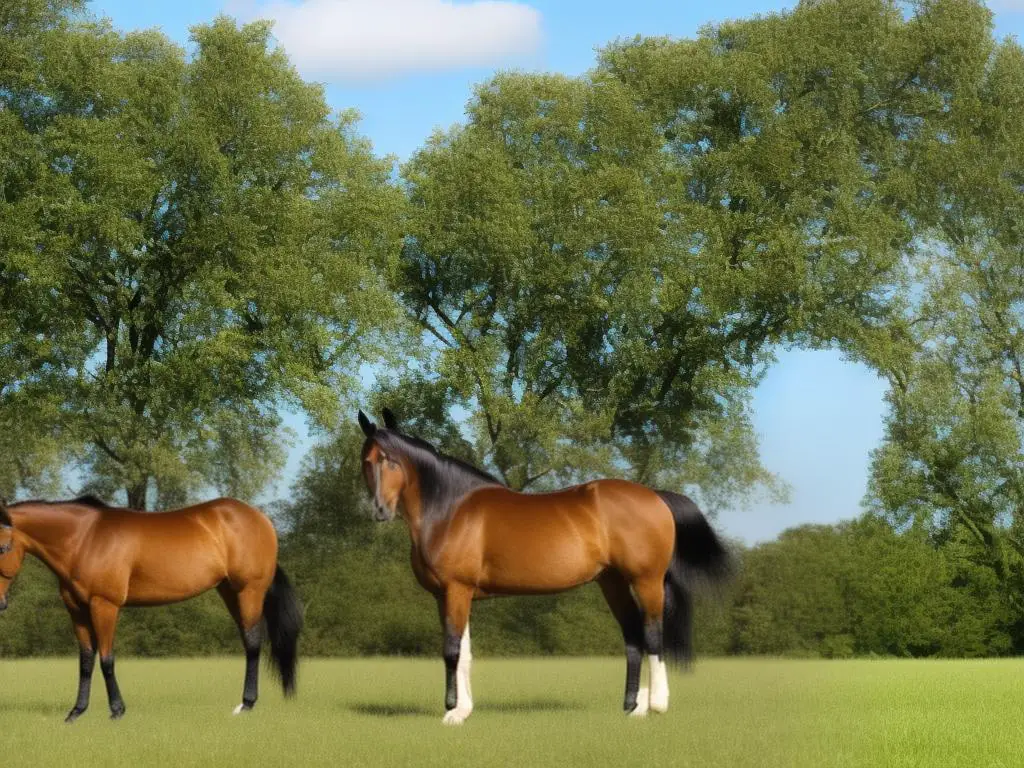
{"x": 602, "y": 266}
{"x": 952, "y": 456}
{"x": 194, "y": 241}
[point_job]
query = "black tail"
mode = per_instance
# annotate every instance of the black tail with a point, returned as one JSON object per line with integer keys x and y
{"x": 283, "y": 614}
{"x": 699, "y": 555}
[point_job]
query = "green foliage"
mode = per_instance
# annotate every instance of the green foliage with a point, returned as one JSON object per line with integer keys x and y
{"x": 32, "y": 341}
{"x": 539, "y": 269}
{"x": 600, "y": 266}
{"x": 856, "y": 588}
{"x": 206, "y": 234}
{"x": 862, "y": 589}
{"x": 953, "y": 454}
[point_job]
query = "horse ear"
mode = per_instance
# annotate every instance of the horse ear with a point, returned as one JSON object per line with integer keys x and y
{"x": 390, "y": 421}
{"x": 5, "y": 516}
{"x": 368, "y": 427}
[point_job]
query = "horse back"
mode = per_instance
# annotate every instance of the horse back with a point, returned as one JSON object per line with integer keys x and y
{"x": 147, "y": 558}
{"x": 525, "y": 542}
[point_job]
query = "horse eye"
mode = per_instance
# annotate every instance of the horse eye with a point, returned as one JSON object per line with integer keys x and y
{"x": 392, "y": 464}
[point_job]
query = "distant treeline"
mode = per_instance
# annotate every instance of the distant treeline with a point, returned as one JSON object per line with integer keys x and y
{"x": 856, "y": 588}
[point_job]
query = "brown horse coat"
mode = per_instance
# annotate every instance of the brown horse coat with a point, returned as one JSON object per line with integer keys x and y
{"x": 106, "y": 558}
{"x": 473, "y": 537}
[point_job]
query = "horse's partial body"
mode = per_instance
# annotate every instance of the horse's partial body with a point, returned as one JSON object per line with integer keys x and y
{"x": 473, "y": 537}
{"x": 106, "y": 558}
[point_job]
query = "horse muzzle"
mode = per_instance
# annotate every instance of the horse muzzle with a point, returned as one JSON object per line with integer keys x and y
{"x": 3, "y": 604}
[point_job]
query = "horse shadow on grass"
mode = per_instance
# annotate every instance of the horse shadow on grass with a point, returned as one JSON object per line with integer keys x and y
{"x": 388, "y": 710}
{"x": 525, "y": 706}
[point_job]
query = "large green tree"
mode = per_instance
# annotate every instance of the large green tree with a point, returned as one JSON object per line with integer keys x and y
{"x": 952, "y": 459}
{"x": 601, "y": 266}
{"x": 34, "y": 342}
{"x": 539, "y": 268}
{"x": 208, "y": 233}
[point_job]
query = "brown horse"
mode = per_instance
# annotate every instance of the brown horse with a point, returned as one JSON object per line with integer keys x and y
{"x": 106, "y": 558}
{"x": 472, "y": 537}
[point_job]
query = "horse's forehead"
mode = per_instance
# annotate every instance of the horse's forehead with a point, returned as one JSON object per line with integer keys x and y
{"x": 371, "y": 451}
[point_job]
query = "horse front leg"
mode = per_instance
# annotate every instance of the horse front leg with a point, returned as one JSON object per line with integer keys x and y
{"x": 86, "y": 657}
{"x": 104, "y": 616}
{"x": 455, "y": 608}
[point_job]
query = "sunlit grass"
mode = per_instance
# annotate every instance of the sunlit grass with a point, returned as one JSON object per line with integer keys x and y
{"x": 533, "y": 712}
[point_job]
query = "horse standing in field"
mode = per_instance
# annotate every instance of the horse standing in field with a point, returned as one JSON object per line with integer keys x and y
{"x": 472, "y": 537}
{"x": 106, "y": 558}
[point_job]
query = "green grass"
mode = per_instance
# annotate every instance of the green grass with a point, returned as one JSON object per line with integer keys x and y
{"x": 529, "y": 712}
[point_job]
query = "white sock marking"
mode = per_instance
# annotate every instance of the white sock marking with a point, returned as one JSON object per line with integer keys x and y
{"x": 463, "y": 689}
{"x": 643, "y": 698}
{"x": 659, "y": 684}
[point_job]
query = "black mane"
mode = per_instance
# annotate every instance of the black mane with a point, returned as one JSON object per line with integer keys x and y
{"x": 87, "y": 500}
{"x": 443, "y": 479}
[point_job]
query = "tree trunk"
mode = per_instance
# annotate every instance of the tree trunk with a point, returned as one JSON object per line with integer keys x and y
{"x": 137, "y": 494}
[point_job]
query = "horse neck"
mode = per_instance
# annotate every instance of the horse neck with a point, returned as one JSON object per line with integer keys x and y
{"x": 424, "y": 517}
{"x": 49, "y": 533}
{"x": 412, "y": 511}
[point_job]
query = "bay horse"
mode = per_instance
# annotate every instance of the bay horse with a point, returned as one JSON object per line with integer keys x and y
{"x": 473, "y": 537}
{"x": 106, "y": 558}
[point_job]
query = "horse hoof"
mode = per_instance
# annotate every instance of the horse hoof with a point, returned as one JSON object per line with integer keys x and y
{"x": 456, "y": 716}
{"x": 73, "y": 715}
{"x": 659, "y": 705}
{"x": 116, "y": 714}
{"x": 243, "y": 707}
{"x": 643, "y": 701}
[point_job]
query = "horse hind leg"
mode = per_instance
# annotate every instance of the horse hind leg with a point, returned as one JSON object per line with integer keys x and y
{"x": 650, "y": 593}
{"x": 627, "y": 613}
{"x": 246, "y": 608}
{"x": 103, "y": 615}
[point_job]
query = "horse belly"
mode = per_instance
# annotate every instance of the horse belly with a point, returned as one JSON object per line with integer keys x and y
{"x": 171, "y": 574}
{"x": 546, "y": 565}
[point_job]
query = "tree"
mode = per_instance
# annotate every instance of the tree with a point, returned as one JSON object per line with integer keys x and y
{"x": 213, "y": 238}
{"x": 601, "y": 266}
{"x": 952, "y": 456}
{"x": 511, "y": 220}
{"x": 793, "y": 193}
{"x": 329, "y": 501}
{"x": 860, "y": 588}
{"x": 33, "y": 341}
{"x": 536, "y": 265}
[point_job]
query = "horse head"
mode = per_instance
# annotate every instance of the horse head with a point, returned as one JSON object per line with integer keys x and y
{"x": 11, "y": 554}
{"x": 385, "y": 474}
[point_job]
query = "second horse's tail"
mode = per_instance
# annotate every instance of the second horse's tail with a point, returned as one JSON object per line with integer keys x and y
{"x": 698, "y": 552}
{"x": 283, "y": 613}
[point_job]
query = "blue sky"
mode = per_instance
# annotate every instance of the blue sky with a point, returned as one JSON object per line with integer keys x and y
{"x": 409, "y": 67}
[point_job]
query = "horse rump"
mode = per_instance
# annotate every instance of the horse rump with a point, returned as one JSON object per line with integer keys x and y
{"x": 282, "y": 612}
{"x": 699, "y": 556}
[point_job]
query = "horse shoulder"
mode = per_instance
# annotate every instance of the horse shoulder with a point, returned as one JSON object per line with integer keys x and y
{"x": 424, "y": 575}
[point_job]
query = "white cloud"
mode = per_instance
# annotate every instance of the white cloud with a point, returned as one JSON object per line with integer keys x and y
{"x": 359, "y": 39}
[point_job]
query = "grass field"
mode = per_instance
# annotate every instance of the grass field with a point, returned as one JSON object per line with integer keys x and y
{"x": 535, "y": 712}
